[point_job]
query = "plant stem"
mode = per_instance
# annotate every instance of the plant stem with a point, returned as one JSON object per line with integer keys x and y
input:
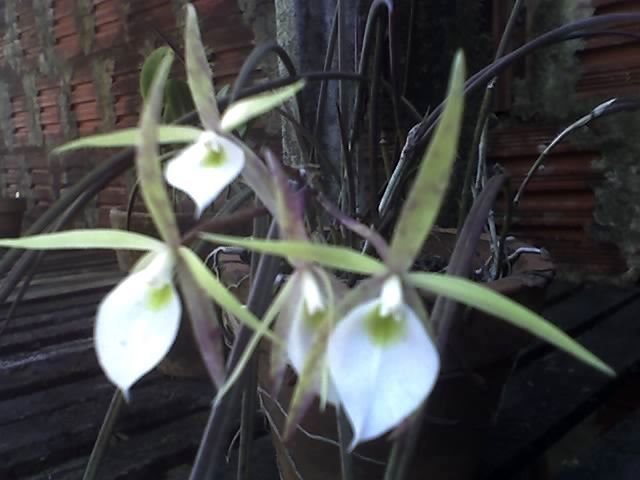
{"x": 248, "y": 409}
{"x": 346, "y": 458}
{"x": 443, "y": 315}
{"x": 212, "y": 445}
{"x": 483, "y": 114}
{"x": 105, "y": 434}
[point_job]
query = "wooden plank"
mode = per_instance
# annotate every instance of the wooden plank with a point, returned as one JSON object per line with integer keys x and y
{"x": 67, "y": 284}
{"x": 31, "y": 314}
{"x": 46, "y": 401}
{"x": 578, "y": 313}
{"x": 541, "y": 401}
{"x": 75, "y": 324}
{"x": 29, "y": 447}
{"x": 46, "y": 368}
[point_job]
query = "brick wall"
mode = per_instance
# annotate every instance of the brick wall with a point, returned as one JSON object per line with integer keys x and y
{"x": 70, "y": 68}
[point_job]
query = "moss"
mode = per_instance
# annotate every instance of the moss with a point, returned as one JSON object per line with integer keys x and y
{"x": 85, "y": 22}
{"x": 12, "y": 48}
{"x": 67, "y": 118}
{"x": 617, "y": 213}
{"x": 102, "y": 80}
{"x": 551, "y": 73}
{"x": 43, "y": 15}
{"x": 33, "y": 109}
{"x": 6, "y": 124}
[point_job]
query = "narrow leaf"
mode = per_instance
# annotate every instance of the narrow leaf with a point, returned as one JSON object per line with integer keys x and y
{"x": 219, "y": 293}
{"x": 150, "y": 68}
{"x": 240, "y": 112}
{"x": 488, "y": 301}
{"x": 427, "y": 193}
{"x": 340, "y": 258}
{"x": 129, "y": 137}
{"x": 207, "y": 329}
{"x": 199, "y": 74}
{"x": 93, "y": 238}
{"x": 148, "y": 167}
{"x": 178, "y": 100}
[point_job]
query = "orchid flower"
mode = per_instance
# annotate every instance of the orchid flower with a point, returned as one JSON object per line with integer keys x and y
{"x": 382, "y": 362}
{"x": 308, "y": 315}
{"x": 137, "y": 322}
{"x": 205, "y": 168}
{"x": 214, "y": 160}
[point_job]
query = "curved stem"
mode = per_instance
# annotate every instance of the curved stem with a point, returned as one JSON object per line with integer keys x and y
{"x": 420, "y": 133}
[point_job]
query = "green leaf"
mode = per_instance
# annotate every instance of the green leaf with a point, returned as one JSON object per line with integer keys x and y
{"x": 178, "y": 100}
{"x": 219, "y": 293}
{"x": 152, "y": 185}
{"x": 240, "y": 112}
{"x": 199, "y": 74}
{"x": 90, "y": 238}
{"x": 150, "y": 68}
{"x": 486, "y": 300}
{"x": 340, "y": 258}
{"x": 131, "y": 136}
{"x": 427, "y": 193}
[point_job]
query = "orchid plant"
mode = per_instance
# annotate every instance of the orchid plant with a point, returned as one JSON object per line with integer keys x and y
{"x": 368, "y": 349}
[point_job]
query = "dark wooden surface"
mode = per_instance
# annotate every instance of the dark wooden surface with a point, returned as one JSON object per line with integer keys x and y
{"x": 53, "y": 395}
{"x": 557, "y": 417}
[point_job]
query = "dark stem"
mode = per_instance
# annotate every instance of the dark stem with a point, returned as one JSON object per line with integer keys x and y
{"x": 372, "y": 183}
{"x": 344, "y": 436}
{"x": 99, "y": 448}
{"x": 212, "y": 446}
{"x": 443, "y": 316}
{"x": 328, "y": 59}
{"x": 218, "y": 224}
{"x": 483, "y": 115}
{"x": 416, "y": 144}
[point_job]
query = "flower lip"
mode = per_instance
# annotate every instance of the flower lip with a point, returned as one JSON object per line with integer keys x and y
{"x": 391, "y": 297}
{"x": 311, "y": 294}
{"x": 205, "y": 168}
{"x": 382, "y": 363}
{"x": 137, "y": 322}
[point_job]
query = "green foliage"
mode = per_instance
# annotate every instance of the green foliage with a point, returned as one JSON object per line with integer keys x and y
{"x": 429, "y": 188}
{"x": 129, "y": 137}
{"x": 486, "y": 300}
{"x": 331, "y": 256}
{"x": 90, "y": 238}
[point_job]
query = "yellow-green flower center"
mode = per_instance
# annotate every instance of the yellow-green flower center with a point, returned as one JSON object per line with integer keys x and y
{"x": 160, "y": 297}
{"x": 315, "y": 319}
{"x": 214, "y": 157}
{"x": 384, "y": 329}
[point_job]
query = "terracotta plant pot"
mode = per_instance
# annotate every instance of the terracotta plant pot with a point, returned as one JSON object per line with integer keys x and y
{"x": 11, "y": 213}
{"x": 183, "y": 360}
{"x": 462, "y": 406}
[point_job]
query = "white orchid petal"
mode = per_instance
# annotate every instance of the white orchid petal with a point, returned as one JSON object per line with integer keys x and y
{"x": 137, "y": 323}
{"x": 302, "y": 332}
{"x": 391, "y": 296}
{"x": 381, "y": 383}
{"x": 190, "y": 172}
{"x": 311, "y": 293}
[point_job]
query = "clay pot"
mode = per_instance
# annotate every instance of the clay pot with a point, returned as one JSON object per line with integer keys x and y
{"x": 461, "y": 408}
{"x": 11, "y": 213}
